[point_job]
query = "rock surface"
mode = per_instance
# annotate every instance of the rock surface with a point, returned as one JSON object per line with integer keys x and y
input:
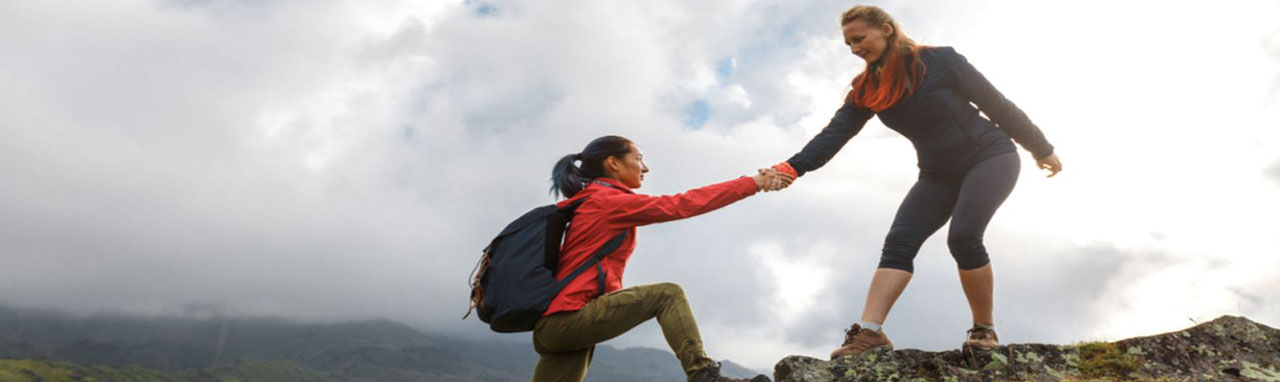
{"x": 1226, "y": 349}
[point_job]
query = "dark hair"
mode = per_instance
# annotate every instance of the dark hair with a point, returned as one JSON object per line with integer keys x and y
{"x": 567, "y": 178}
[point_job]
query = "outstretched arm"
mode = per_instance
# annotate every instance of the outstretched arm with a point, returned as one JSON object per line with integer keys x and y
{"x": 630, "y": 210}
{"x": 846, "y": 123}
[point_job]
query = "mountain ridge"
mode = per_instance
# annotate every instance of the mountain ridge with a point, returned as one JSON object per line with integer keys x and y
{"x": 353, "y": 350}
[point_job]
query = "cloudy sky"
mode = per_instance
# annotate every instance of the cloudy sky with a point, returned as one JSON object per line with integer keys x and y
{"x": 328, "y": 160}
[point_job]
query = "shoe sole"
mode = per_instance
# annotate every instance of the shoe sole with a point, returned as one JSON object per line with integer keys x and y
{"x": 888, "y": 347}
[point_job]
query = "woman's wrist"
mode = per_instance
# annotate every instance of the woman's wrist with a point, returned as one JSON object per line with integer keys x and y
{"x": 760, "y": 180}
{"x": 785, "y": 167}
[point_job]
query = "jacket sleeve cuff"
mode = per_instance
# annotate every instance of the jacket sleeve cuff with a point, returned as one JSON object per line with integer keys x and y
{"x": 747, "y": 185}
{"x": 1044, "y": 153}
{"x": 786, "y": 168}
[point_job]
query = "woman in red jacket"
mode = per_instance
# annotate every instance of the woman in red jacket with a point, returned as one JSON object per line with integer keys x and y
{"x": 582, "y": 315}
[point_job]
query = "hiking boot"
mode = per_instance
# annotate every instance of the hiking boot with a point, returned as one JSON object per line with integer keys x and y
{"x": 981, "y": 339}
{"x": 858, "y": 340}
{"x": 712, "y": 374}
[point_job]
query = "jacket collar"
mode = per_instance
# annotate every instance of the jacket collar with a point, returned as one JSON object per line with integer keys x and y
{"x": 610, "y": 183}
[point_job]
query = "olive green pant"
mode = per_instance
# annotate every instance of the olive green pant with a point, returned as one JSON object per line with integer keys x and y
{"x": 565, "y": 340}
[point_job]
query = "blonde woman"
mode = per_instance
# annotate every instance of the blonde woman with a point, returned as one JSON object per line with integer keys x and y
{"x": 968, "y": 163}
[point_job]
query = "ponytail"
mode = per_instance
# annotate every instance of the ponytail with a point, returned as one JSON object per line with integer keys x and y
{"x": 567, "y": 178}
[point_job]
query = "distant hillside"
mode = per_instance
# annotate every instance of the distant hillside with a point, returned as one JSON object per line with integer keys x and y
{"x": 351, "y": 351}
{"x": 48, "y": 371}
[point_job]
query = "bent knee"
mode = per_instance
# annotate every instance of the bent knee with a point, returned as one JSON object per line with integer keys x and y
{"x": 964, "y": 242}
{"x": 968, "y": 250}
{"x": 900, "y": 249}
{"x": 669, "y": 290}
{"x": 902, "y": 244}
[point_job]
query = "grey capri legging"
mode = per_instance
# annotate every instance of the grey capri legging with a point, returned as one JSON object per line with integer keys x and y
{"x": 969, "y": 200}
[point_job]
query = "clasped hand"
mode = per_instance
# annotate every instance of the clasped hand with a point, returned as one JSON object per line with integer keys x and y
{"x": 772, "y": 180}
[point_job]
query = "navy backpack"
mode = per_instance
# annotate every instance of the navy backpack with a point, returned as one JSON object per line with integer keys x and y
{"x": 514, "y": 282}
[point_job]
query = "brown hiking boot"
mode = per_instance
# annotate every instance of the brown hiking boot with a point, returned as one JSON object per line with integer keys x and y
{"x": 712, "y": 374}
{"x": 981, "y": 339}
{"x": 858, "y": 340}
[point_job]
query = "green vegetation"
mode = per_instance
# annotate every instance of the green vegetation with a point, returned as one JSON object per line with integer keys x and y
{"x": 1102, "y": 360}
{"x": 50, "y": 371}
{"x": 23, "y": 370}
{"x": 29, "y": 370}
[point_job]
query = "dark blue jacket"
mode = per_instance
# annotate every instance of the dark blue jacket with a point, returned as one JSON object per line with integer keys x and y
{"x": 940, "y": 120}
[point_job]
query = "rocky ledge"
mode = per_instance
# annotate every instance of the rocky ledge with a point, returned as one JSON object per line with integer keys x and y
{"x": 1226, "y": 349}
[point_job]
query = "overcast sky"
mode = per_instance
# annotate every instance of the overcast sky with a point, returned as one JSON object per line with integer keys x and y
{"x": 329, "y": 160}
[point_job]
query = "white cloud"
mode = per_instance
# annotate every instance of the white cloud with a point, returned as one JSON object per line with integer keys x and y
{"x": 340, "y": 159}
{"x": 799, "y": 279}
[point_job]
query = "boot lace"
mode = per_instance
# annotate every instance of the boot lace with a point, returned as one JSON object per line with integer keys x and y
{"x": 980, "y": 333}
{"x": 850, "y": 333}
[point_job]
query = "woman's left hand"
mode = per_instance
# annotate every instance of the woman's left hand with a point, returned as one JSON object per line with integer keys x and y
{"x": 1050, "y": 163}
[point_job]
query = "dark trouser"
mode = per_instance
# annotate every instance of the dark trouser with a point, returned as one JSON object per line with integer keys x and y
{"x": 565, "y": 340}
{"x": 969, "y": 200}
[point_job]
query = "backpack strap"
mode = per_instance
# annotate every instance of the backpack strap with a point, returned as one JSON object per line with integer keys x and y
{"x": 573, "y": 207}
{"x": 557, "y": 223}
{"x": 598, "y": 257}
{"x": 609, "y": 247}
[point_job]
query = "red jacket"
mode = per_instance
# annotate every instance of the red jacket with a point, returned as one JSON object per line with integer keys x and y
{"x": 607, "y": 212}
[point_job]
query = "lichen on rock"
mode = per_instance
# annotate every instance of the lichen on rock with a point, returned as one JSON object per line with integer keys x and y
{"x": 1226, "y": 349}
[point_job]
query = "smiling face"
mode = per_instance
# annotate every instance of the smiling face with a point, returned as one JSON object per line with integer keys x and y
{"x": 628, "y": 169}
{"x": 865, "y": 41}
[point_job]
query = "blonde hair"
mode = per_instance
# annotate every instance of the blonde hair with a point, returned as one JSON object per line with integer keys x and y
{"x": 898, "y": 72}
{"x": 876, "y": 18}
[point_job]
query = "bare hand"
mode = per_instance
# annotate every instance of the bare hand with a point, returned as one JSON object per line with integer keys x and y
{"x": 1050, "y": 163}
{"x": 773, "y": 180}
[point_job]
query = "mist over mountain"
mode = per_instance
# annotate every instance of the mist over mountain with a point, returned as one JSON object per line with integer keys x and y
{"x": 372, "y": 350}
